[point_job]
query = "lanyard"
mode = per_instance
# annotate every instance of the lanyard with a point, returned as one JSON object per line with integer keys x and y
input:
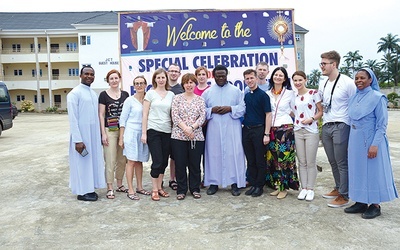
{"x": 333, "y": 88}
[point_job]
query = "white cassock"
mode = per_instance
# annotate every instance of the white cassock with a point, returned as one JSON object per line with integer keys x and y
{"x": 86, "y": 173}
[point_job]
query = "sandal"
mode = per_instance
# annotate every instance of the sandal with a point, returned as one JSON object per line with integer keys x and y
{"x": 122, "y": 189}
{"x": 142, "y": 191}
{"x": 162, "y": 193}
{"x": 154, "y": 196}
{"x": 133, "y": 197}
{"x": 110, "y": 194}
{"x": 196, "y": 195}
{"x": 180, "y": 197}
{"x": 173, "y": 185}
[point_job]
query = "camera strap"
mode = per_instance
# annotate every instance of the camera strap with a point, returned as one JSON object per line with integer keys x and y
{"x": 333, "y": 88}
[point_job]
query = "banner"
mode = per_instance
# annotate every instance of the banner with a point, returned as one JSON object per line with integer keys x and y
{"x": 238, "y": 39}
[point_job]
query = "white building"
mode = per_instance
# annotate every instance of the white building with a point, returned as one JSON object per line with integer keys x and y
{"x": 66, "y": 41}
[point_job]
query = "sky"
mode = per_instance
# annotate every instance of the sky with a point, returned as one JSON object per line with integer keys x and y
{"x": 341, "y": 25}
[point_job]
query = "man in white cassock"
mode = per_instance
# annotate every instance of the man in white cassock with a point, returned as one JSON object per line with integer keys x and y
{"x": 224, "y": 155}
{"x": 86, "y": 160}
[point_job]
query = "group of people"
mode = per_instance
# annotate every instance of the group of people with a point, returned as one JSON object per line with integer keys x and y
{"x": 251, "y": 138}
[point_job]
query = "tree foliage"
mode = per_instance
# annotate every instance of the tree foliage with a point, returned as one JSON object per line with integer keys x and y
{"x": 387, "y": 69}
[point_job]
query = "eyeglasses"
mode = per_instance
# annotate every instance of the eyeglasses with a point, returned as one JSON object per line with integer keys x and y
{"x": 139, "y": 83}
{"x": 323, "y": 64}
{"x": 173, "y": 71}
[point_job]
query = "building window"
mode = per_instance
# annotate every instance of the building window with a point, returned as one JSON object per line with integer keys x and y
{"x": 85, "y": 40}
{"x": 36, "y": 98}
{"x": 17, "y": 72}
{"x": 57, "y": 101}
{"x": 20, "y": 98}
{"x": 16, "y": 47}
{"x": 54, "y": 48}
{"x": 71, "y": 46}
{"x": 298, "y": 56}
{"x": 73, "y": 72}
{"x": 297, "y": 36}
{"x": 55, "y": 73}
{"x": 33, "y": 47}
{"x": 34, "y": 73}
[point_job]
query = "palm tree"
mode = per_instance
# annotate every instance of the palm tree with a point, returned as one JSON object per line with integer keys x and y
{"x": 386, "y": 63}
{"x": 390, "y": 45}
{"x": 345, "y": 69}
{"x": 376, "y": 67}
{"x": 372, "y": 64}
{"x": 314, "y": 77}
{"x": 351, "y": 58}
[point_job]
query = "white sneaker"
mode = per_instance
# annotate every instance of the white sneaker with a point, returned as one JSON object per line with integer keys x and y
{"x": 302, "y": 194}
{"x": 310, "y": 195}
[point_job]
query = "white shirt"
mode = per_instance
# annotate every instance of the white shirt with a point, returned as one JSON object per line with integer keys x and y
{"x": 284, "y": 102}
{"x": 160, "y": 111}
{"x": 345, "y": 88}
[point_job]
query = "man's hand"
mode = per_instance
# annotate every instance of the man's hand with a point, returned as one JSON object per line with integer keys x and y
{"x": 79, "y": 147}
{"x": 221, "y": 109}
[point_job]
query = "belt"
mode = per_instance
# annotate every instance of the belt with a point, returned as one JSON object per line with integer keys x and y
{"x": 255, "y": 126}
{"x": 333, "y": 123}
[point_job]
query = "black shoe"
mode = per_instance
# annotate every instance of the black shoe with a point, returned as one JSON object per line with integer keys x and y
{"x": 357, "y": 207}
{"x": 258, "y": 192}
{"x": 95, "y": 194}
{"x": 235, "y": 190}
{"x": 87, "y": 197}
{"x": 250, "y": 191}
{"x": 212, "y": 189}
{"x": 372, "y": 212}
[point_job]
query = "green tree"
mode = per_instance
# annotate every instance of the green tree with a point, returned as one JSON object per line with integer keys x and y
{"x": 345, "y": 69}
{"x": 352, "y": 58}
{"x": 390, "y": 46}
{"x": 314, "y": 77}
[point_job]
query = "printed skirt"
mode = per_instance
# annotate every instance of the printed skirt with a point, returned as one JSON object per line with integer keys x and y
{"x": 281, "y": 159}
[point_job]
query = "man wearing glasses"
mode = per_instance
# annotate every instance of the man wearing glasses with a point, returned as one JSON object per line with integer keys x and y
{"x": 335, "y": 95}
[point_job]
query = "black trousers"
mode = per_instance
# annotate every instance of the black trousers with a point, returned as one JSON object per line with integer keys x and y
{"x": 160, "y": 147}
{"x": 254, "y": 149}
{"x": 187, "y": 155}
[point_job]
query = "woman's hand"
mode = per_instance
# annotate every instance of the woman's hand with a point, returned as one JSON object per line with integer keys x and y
{"x": 144, "y": 138}
{"x": 104, "y": 139}
{"x": 372, "y": 152}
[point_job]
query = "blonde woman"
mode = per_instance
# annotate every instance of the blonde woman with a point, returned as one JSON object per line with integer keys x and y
{"x": 156, "y": 129}
{"x": 110, "y": 108}
{"x": 130, "y": 134}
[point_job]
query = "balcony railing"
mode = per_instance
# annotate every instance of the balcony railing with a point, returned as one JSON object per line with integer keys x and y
{"x": 42, "y": 51}
{"x": 42, "y": 78}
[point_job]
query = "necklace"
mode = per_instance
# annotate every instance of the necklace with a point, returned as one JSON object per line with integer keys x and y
{"x": 277, "y": 92}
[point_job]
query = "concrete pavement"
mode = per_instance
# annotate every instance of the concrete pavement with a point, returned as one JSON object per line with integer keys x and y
{"x": 38, "y": 210}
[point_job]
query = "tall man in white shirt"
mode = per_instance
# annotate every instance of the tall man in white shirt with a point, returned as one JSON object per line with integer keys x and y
{"x": 336, "y": 92}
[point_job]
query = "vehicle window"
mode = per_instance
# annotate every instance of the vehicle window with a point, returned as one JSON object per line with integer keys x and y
{"x": 3, "y": 96}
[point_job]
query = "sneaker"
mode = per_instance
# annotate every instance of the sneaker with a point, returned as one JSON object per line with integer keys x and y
{"x": 302, "y": 194}
{"x": 340, "y": 201}
{"x": 331, "y": 195}
{"x": 357, "y": 207}
{"x": 310, "y": 195}
{"x": 372, "y": 212}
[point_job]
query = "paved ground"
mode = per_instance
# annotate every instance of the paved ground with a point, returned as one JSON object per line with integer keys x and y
{"x": 38, "y": 210}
